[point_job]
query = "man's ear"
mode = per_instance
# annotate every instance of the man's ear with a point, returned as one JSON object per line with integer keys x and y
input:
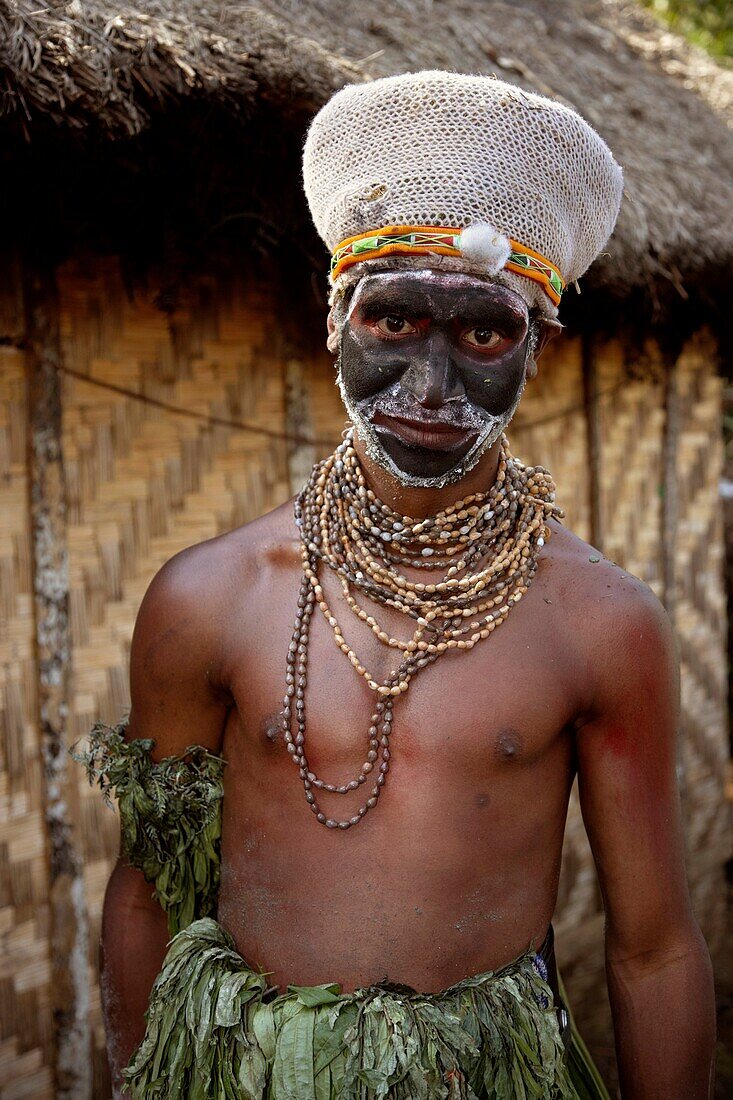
{"x": 332, "y": 340}
{"x": 547, "y": 328}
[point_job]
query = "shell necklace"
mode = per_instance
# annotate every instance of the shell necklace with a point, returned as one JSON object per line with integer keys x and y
{"x": 486, "y": 547}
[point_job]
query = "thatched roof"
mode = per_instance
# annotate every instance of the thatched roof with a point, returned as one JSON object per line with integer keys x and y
{"x": 90, "y": 67}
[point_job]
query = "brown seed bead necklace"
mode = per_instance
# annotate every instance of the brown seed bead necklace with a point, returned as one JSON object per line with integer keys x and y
{"x": 345, "y": 526}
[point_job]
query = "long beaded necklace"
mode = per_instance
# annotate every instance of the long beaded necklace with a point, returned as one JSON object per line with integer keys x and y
{"x": 347, "y": 528}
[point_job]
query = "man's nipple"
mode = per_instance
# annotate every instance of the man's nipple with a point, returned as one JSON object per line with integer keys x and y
{"x": 508, "y": 745}
{"x": 272, "y": 727}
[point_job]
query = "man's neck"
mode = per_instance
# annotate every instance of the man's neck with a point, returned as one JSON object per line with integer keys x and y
{"x": 419, "y": 503}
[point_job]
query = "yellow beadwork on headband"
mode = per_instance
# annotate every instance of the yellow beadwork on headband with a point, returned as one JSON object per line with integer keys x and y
{"x": 420, "y": 239}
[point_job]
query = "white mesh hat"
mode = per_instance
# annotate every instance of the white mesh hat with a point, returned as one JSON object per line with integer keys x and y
{"x": 464, "y": 172}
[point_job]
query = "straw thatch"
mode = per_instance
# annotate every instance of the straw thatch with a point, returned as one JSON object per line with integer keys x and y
{"x": 90, "y": 67}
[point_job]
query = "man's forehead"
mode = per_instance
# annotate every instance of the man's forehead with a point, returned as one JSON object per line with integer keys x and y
{"x": 440, "y": 287}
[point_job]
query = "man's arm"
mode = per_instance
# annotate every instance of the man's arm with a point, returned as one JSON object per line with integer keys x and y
{"x": 657, "y": 964}
{"x": 177, "y": 701}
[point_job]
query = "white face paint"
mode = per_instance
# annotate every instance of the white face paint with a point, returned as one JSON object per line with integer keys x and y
{"x": 367, "y": 358}
{"x": 490, "y": 430}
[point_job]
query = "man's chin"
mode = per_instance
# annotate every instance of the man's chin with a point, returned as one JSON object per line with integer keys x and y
{"x": 418, "y": 467}
{"x": 412, "y": 466}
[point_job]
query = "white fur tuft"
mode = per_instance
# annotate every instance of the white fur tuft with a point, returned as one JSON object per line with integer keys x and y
{"x": 482, "y": 244}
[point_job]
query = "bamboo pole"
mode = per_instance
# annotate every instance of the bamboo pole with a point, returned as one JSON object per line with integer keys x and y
{"x": 593, "y": 438}
{"x": 298, "y": 425}
{"x": 669, "y": 521}
{"x": 670, "y": 446}
{"x": 69, "y": 933}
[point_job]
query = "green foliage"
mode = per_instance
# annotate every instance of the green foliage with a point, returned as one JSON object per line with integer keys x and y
{"x": 706, "y": 23}
{"x": 215, "y": 1032}
{"x": 170, "y": 817}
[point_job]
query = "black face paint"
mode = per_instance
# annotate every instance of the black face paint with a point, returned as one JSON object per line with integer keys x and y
{"x": 431, "y": 369}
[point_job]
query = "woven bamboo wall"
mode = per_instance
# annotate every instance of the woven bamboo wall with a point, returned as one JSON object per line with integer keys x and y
{"x": 630, "y": 423}
{"x": 143, "y": 483}
{"x": 26, "y": 1031}
{"x": 701, "y": 632}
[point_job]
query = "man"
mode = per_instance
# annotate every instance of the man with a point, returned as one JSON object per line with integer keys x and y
{"x": 411, "y": 855}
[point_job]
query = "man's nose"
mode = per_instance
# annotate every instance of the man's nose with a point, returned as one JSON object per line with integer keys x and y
{"x": 433, "y": 379}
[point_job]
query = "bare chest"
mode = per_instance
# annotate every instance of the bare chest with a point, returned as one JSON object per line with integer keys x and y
{"x": 501, "y": 705}
{"x": 455, "y": 870}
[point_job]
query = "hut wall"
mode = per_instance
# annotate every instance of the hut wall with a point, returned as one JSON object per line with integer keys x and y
{"x": 701, "y": 626}
{"x": 26, "y": 1020}
{"x": 144, "y": 482}
{"x": 143, "y": 485}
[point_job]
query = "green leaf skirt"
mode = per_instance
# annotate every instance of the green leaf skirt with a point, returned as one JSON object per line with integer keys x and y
{"x": 216, "y": 1031}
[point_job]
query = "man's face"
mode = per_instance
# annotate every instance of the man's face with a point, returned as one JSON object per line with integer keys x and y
{"x": 431, "y": 368}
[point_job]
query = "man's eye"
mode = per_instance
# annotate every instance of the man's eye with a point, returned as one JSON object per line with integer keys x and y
{"x": 392, "y": 325}
{"x": 482, "y": 338}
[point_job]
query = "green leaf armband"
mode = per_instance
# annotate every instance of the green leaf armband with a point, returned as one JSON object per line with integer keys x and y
{"x": 170, "y": 816}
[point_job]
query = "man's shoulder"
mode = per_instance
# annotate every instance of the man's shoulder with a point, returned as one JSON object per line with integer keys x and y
{"x": 207, "y": 574}
{"x": 245, "y": 547}
{"x": 611, "y": 612}
{"x": 590, "y": 579}
{"x": 186, "y": 628}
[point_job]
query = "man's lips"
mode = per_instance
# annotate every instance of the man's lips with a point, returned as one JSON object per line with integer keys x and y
{"x": 434, "y": 435}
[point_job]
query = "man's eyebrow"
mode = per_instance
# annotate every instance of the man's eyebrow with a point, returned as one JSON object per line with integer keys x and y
{"x": 398, "y": 298}
{"x": 415, "y": 301}
{"x": 394, "y": 296}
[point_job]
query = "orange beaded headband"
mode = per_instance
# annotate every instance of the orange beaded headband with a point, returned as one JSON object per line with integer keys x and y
{"x": 430, "y": 238}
